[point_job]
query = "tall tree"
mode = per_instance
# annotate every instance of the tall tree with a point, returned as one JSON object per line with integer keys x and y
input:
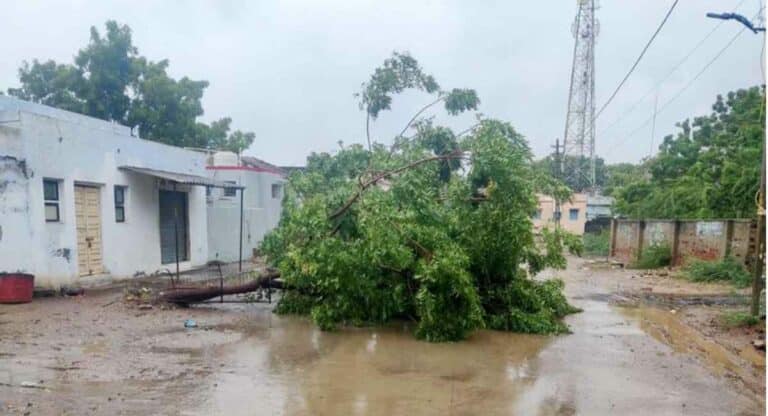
{"x": 710, "y": 169}
{"x": 110, "y": 80}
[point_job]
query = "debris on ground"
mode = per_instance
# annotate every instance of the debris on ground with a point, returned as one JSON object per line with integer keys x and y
{"x": 759, "y": 344}
{"x": 43, "y": 293}
{"x": 72, "y": 291}
{"x": 190, "y": 323}
{"x": 138, "y": 296}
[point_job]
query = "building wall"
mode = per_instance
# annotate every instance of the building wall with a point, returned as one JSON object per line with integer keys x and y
{"x": 546, "y": 213}
{"x": 38, "y": 142}
{"x": 687, "y": 240}
{"x": 599, "y": 206}
{"x": 261, "y": 211}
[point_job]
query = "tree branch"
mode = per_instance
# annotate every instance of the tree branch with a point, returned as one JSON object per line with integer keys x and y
{"x": 368, "y": 129}
{"x": 415, "y": 116}
{"x": 472, "y": 127}
{"x": 456, "y": 154}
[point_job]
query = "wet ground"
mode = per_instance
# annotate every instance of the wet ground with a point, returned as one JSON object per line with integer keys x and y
{"x": 91, "y": 356}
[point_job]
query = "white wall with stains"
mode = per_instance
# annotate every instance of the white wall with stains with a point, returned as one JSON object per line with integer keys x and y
{"x": 261, "y": 211}
{"x": 38, "y": 142}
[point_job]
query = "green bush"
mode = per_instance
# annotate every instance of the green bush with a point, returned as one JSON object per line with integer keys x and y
{"x": 738, "y": 319}
{"x": 597, "y": 244}
{"x": 654, "y": 257}
{"x": 727, "y": 270}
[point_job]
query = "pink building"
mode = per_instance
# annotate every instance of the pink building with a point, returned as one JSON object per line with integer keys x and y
{"x": 573, "y": 213}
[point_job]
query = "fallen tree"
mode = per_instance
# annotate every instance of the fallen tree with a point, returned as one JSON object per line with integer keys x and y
{"x": 188, "y": 295}
{"x": 435, "y": 229}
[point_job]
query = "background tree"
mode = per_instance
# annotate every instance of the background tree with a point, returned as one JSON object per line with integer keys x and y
{"x": 572, "y": 168}
{"x": 111, "y": 81}
{"x": 710, "y": 169}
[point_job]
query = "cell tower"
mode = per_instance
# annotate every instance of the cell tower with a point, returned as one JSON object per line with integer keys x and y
{"x": 579, "y": 137}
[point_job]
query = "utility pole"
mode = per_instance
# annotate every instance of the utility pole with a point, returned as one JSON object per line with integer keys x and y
{"x": 559, "y": 176}
{"x": 757, "y": 277}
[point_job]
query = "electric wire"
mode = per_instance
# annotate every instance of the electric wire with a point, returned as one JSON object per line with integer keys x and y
{"x": 680, "y": 92}
{"x": 666, "y": 77}
{"x": 637, "y": 61}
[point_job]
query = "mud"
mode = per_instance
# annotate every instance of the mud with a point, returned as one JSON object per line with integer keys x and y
{"x": 85, "y": 358}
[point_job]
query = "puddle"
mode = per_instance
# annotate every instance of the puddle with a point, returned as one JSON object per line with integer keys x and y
{"x": 611, "y": 364}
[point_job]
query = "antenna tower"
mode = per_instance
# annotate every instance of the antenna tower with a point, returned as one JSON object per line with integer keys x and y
{"x": 579, "y": 137}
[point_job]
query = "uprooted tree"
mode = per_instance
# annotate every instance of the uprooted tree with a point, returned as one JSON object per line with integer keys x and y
{"x": 435, "y": 228}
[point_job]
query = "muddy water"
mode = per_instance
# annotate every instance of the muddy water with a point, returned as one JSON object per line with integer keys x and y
{"x": 609, "y": 365}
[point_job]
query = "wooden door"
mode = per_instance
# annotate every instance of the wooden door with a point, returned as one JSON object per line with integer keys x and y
{"x": 88, "y": 221}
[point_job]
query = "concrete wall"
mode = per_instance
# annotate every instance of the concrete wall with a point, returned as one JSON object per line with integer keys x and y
{"x": 261, "y": 211}
{"x": 38, "y": 142}
{"x": 703, "y": 240}
{"x": 546, "y": 213}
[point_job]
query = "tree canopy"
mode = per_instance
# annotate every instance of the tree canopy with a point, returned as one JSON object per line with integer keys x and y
{"x": 709, "y": 169}
{"x": 574, "y": 171}
{"x": 111, "y": 81}
{"x": 435, "y": 229}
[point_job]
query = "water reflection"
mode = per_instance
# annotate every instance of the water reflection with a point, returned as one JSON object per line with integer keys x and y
{"x": 609, "y": 365}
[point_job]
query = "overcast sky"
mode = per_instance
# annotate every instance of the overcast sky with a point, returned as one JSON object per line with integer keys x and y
{"x": 287, "y": 70}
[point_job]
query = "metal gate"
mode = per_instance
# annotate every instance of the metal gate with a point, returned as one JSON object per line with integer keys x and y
{"x": 174, "y": 230}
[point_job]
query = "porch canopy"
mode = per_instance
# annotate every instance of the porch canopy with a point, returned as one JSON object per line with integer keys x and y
{"x": 188, "y": 179}
{"x": 183, "y": 178}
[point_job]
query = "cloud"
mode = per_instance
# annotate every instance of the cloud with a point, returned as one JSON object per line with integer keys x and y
{"x": 287, "y": 70}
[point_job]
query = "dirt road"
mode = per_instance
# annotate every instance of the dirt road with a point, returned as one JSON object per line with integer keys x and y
{"x": 97, "y": 355}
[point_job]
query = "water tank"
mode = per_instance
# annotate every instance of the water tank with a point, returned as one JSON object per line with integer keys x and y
{"x": 225, "y": 159}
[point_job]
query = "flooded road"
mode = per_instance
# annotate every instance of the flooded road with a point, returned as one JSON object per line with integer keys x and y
{"x": 609, "y": 365}
{"x": 97, "y": 356}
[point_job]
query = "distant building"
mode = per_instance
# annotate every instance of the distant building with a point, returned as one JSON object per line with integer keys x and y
{"x": 573, "y": 213}
{"x": 599, "y": 206}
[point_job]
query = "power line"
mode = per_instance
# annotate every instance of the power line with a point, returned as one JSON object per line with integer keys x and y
{"x": 681, "y": 91}
{"x": 637, "y": 61}
{"x": 669, "y": 74}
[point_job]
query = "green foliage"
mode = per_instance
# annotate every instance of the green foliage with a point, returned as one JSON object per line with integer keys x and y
{"x": 572, "y": 171}
{"x": 111, "y": 81}
{"x": 727, "y": 270}
{"x": 654, "y": 257}
{"x": 597, "y": 244}
{"x": 738, "y": 319}
{"x": 711, "y": 169}
{"x": 400, "y": 72}
{"x": 415, "y": 239}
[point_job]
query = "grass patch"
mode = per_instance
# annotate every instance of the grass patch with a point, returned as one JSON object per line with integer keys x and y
{"x": 738, "y": 319}
{"x": 654, "y": 257}
{"x": 597, "y": 244}
{"x": 727, "y": 270}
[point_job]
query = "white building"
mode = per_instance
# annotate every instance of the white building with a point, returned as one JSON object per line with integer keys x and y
{"x": 82, "y": 197}
{"x": 262, "y": 203}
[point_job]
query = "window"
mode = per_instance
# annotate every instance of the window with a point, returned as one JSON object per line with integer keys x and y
{"x": 537, "y": 215}
{"x": 230, "y": 191}
{"x": 207, "y": 191}
{"x": 277, "y": 190}
{"x": 120, "y": 203}
{"x": 573, "y": 214}
{"x": 51, "y": 196}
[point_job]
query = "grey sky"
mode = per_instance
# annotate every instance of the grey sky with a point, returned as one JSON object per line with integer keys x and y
{"x": 287, "y": 70}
